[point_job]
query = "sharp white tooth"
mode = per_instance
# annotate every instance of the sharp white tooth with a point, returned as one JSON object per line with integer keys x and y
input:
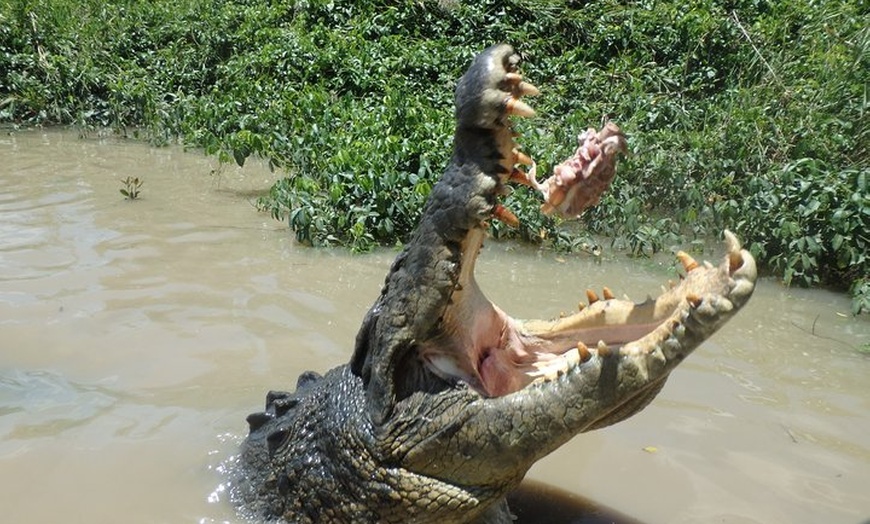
{"x": 515, "y": 107}
{"x": 733, "y": 262}
{"x": 572, "y": 356}
{"x": 591, "y": 296}
{"x": 527, "y": 89}
{"x": 551, "y": 374}
{"x": 603, "y": 350}
{"x": 583, "y": 351}
{"x": 689, "y": 263}
{"x": 731, "y": 241}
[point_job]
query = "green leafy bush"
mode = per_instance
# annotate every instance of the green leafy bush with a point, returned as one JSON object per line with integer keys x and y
{"x": 747, "y": 114}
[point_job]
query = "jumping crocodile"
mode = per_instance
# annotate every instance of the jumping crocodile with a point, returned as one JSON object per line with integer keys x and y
{"x": 447, "y": 401}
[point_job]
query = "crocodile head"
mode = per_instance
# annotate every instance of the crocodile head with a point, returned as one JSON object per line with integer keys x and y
{"x": 461, "y": 391}
{"x": 448, "y": 400}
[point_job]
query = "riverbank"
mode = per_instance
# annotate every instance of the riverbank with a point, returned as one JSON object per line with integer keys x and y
{"x": 750, "y": 117}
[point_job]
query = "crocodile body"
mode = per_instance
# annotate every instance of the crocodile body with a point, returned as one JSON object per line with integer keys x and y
{"x": 447, "y": 401}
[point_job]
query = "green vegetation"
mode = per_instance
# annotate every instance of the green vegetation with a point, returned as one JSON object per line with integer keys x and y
{"x": 132, "y": 186}
{"x": 746, "y": 114}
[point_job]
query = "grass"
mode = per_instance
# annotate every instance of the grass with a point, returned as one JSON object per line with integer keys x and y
{"x": 745, "y": 114}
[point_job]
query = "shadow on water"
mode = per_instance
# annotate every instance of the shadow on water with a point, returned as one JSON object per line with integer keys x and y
{"x": 538, "y": 503}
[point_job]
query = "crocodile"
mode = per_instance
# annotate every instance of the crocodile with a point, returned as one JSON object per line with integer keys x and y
{"x": 447, "y": 401}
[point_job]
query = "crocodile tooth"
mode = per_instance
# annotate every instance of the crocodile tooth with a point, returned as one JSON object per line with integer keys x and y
{"x": 514, "y": 78}
{"x": 504, "y": 214}
{"x": 527, "y": 89}
{"x": 608, "y": 294}
{"x": 519, "y": 108}
{"x": 732, "y": 242}
{"x": 522, "y": 158}
{"x": 693, "y": 299}
{"x": 708, "y": 265}
{"x": 581, "y": 306}
{"x": 583, "y": 352}
{"x": 572, "y": 357}
{"x": 603, "y": 350}
{"x": 735, "y": 260}
{"x": 689, "y": 263}
{"x": 520, "y": 177}
{"x": 591, "y": 296}
{"x": 521, "y": 87}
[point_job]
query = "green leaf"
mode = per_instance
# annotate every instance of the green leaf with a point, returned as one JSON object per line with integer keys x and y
{"x": 239, "y": 156}
{"x": 837, "y": 241}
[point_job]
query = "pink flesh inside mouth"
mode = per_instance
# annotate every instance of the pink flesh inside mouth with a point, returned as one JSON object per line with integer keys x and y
{"x": 498, "y": 355}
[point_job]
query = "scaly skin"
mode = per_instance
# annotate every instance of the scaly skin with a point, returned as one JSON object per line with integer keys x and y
{"x": 447, "y": 401}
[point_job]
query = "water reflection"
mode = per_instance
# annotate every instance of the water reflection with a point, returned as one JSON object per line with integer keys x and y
{"x": 136, "y": 336}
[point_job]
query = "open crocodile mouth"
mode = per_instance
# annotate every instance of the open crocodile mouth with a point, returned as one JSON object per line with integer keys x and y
{"x": 495, "y": 354}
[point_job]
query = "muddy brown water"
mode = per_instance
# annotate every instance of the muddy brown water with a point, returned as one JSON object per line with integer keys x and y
{"x": 136, "y": 336}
